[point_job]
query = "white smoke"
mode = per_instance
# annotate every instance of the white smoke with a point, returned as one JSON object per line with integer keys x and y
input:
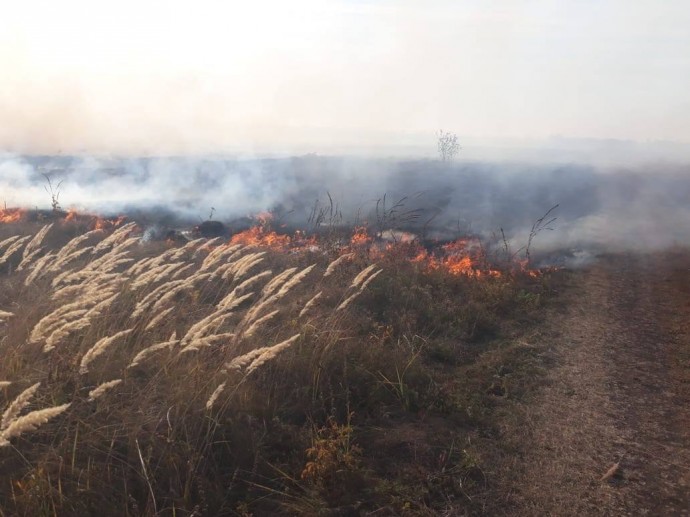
{"x": 641, "y": 208}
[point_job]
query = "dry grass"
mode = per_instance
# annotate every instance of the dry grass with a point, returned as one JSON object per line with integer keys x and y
{"x": 188, "y": 380}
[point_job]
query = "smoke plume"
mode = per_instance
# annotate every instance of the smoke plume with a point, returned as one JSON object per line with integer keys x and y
{"x": 599, "y": 208}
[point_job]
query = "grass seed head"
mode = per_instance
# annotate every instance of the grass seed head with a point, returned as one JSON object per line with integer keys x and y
{"x": 30, "y": 422}
{"x": 20, "y": 402}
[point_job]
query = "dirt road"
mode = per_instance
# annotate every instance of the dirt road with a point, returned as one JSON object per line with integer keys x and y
{"x": 619, "y": 394}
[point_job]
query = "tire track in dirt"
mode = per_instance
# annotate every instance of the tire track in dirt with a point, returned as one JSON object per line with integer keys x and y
{"x": 615, "y": 397}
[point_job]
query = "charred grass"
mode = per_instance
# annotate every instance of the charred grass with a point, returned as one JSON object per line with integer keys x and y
{"x": 387, "y": 407}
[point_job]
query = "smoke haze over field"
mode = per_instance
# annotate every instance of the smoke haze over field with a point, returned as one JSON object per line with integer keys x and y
{"x": 145, "y": 77}
{"x": 579, "y": 103}
{"x": 638, "y": 208}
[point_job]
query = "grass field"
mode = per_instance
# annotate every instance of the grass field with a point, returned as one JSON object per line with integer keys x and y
{"x": 265, "y": 375}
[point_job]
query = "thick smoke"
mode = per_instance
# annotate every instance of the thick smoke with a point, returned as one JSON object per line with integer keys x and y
{"x": 638, "y": 208}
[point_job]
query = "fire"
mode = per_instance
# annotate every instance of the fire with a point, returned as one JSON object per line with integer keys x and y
{"x": 456, "y": 258}
{"x": 360, "y": 237}
{"x": 106, "y": 224}
{"x": 11, "y": 215}
{"x": 260, "y": 236}
{"x": 96, "y": 222}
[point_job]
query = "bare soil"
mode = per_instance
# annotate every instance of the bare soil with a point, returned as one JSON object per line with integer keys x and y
{"x": 618, "y": 395}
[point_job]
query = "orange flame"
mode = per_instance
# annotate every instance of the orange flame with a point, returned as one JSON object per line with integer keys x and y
{"x": 260, "y": 236}
{"x": 94, "y": 221}
{"x": 11, "y": 215}
{"x": 360, "y": 237}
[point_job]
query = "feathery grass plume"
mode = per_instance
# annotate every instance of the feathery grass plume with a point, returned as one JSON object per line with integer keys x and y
{"x": 362, "y": 275}
{"x": 359, "y": 291}
{"x": 271, "y": 353}
{"x": 348, "y": 301}
{"x": 309, "y": 304}
{"x": 4, "y": 384}
{"x": 180, "y": 272}
{"x": 52, "y": 324}
{"x": 89, "y": 300}
{"x": 335, "y": 263}
{"x": 277, "y": 282}
{"x": 218, "y": 254}
{"x": 213, "y": 254}
{"x": 107, "y": 258}
{"x": 98, "y": 349}
{"x": 61, "y": 333}
{"x": 115, "y": 238}
{"x": 14, "y": 247}
{"x": 72, "y": 276}
{"x": 221, "y": 270}
{"x": 268, "y": 296}
{"x": 243, "y": 360}
{"x": 4, "y": 315}
{"x": 244, "y": 265}
{"x": 38, "y": 268}
{"x": 151, "y": 350}
{"x": 256, "y": 309}
{"x": 189, "y": 246}
{"x": 73, "y": 244}
{"x": 102, "y": 388}
{"x": 10, "y": 240}
{"x": 139, "y": 266}
{"x": 36, "y": 242}
{"x": 209, "y": 325}
{"x": 147, "y": 278}
{"x": 67, "y": 276}
{"x": 254, "y": 312}
{"x": 254, "y": 355}
{"x": 30, "y": 422}
{"x": 207, "y": 246}
{"x": 169, "y": 297}
{"x": 155, "y": 274}
{"x": 233, "y": 263}
{"x": 230, "y": 302}
{"x": 20, "y": 402}
{"x": 230, "y": 298}
{"x": 200, "y": 326}
{"x": 295, "y": 280}
{"x": 27, "y": 258}
{"x": 61, "y": 262}
{"x": 98, "y": 309}
{"x": 214, "y": 396}
{"x": 230, "y": 259}
{"x": 251, "y": 280}
{"x": 237, "y": 274}
{"x": 204, "y": 342}
{"x": 67, "y": 291}
{"x": 110, "y": 265}
{"x": 256, "y": 324}
{"x": 169, "y": 270}
{"x": 127, "y": 243}
{"x": 151, "y": 298}
{"x": 369, "y": 280}
{"x": 158, "y": 318}
{"x": 54, "y": 320}
{"x": 196, "y": 278}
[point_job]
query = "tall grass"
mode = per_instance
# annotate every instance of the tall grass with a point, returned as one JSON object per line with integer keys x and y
{"x": 190, "y": 380}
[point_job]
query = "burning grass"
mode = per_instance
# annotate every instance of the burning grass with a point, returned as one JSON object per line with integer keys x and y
{"x": 267, "y": 374}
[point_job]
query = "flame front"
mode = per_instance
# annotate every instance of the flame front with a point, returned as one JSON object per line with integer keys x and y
{"x": 11, "y": 215}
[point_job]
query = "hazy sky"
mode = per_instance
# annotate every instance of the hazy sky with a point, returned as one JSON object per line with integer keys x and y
{"x": 145, "y": 76}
